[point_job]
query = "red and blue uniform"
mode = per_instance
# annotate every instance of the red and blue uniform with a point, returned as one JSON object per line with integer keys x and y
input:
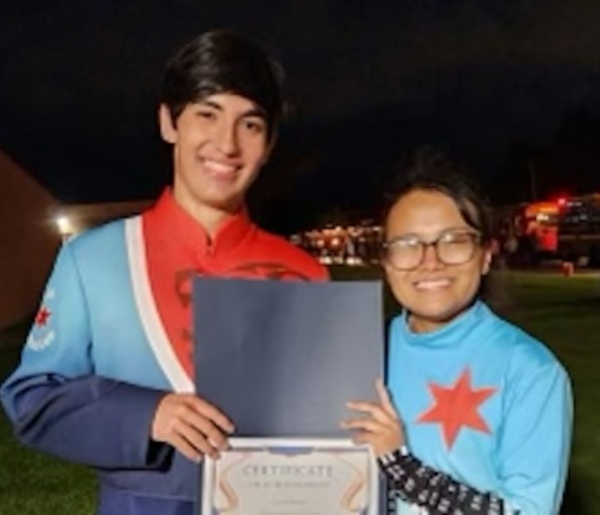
{"x": 112, "y": 336}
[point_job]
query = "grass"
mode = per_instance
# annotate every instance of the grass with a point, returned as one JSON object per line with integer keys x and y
{"x": 30, "y": 482}
{"x": 563, "y": 312}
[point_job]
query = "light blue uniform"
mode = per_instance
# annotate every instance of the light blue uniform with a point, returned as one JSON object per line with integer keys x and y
{"x": 487, "y": 404}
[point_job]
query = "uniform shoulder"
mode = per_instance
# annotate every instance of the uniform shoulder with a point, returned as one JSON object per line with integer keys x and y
{"x": 97, "y": 238}
{"x": 525, "y": 349}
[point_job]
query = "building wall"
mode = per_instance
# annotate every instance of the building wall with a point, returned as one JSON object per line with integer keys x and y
{"x": 30, "y": 236}
{"x": 28, "y": 241}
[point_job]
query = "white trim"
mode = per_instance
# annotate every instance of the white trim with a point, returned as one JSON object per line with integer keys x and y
{"x": 148, "y": 311}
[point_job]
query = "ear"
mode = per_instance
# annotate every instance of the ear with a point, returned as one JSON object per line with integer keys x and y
{"x": 168, "y": 131}
{"x": 487, "y": 261}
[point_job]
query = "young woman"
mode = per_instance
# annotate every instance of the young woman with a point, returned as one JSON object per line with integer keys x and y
{"x": 480, "y": 415}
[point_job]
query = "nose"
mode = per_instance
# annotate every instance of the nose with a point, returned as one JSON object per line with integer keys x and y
{"x": 430, "y": 258}
{"x": 226, "y": 139}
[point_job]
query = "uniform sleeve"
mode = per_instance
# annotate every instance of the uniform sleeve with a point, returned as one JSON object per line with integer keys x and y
{"x": 55, "y": 401}
{"x": 535, "y": 441}
{"x": 412, "y": 481}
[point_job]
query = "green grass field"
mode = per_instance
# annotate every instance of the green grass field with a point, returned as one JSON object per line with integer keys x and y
{"x": 563, "y": 312}
{"x": 30, "y": 482}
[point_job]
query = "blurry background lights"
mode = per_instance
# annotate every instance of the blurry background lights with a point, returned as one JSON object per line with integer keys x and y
{"x": 64, "y": 225}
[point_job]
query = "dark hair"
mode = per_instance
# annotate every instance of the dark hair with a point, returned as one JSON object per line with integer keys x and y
{"x": 223, "y": 62}
{"x": 439, "y": 173}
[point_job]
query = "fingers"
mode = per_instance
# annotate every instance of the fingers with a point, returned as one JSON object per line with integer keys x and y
{"x": 212, "y": 413}
{"x": 211, "y": 434}
{"x": 383, "y": 410}
{"x": 364, "y": 424}
{"x": 380, "y": 437}
{"x": 380, "y": 427}
{"x": 184, "y": 447}
{"x": 374, "y": 410}
{"x": 192, "y": 425}
{"x": 200, "y": 445}
{"x": 364, "y": 438}
{"x": 384, "y": 399}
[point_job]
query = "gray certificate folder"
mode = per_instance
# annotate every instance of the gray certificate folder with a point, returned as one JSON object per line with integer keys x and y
{"x": 282, "y": 358}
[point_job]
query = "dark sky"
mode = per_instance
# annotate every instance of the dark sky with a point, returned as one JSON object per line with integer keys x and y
{"x": 489, "y": 80}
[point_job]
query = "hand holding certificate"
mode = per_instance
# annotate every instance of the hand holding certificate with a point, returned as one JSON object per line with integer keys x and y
{"x": 281, "y": 360}
{"x": 378, "y": 425}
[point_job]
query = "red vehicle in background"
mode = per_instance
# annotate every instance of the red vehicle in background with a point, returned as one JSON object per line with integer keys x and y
{"x": 541, "y": 223}
{"x": 579, "y": 230}
{"x": 528, "y": 232}
{"x": 567, "y": 228}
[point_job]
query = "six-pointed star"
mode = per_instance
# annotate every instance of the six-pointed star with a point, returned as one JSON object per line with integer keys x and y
{"x": 457, "y": 406}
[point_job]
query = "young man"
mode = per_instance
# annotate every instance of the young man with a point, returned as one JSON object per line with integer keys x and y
{"x": 106, "y": 377}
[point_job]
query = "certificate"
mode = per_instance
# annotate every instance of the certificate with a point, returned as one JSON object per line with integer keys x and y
{"x": 283, "y": 358}
{"x": 291, "y": 476}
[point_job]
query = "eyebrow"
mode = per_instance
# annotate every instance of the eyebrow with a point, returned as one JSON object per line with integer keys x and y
{"x": 254, "y": 112}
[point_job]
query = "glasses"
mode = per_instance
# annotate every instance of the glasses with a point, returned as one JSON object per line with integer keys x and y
{"x": 451, "y": 248}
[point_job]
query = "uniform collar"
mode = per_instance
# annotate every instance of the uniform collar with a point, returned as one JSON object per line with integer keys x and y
{"x": 454, "y": 333}
{"x": 170, "y": 220}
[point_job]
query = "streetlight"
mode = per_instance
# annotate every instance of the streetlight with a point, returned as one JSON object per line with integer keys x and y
{"x": 64, "y": 226}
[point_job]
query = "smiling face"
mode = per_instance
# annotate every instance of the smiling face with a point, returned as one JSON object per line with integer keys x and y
{"x": 219, "y": 146}
{"x": 433, "y": 292}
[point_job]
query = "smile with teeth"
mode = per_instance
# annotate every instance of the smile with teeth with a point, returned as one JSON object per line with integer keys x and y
{"x": 220, "y": 169}
{"x": 432, "y": 284}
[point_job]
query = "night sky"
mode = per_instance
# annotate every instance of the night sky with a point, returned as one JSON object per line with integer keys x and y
{"x": 509, "y": 86}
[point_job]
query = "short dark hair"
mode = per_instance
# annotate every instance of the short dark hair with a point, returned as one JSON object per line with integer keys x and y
{"x": 222, "y": 61}
{"x": 434, "y": 171}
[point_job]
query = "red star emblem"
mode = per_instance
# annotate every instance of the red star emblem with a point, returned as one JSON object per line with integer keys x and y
{"x": 42, "y": 316}
{"x": 456, "y": 406}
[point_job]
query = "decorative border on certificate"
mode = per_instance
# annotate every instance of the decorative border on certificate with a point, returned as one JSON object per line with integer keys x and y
{"x": 291, "y": 476}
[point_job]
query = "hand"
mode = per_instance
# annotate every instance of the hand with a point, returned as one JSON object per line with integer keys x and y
{"x": 383, "y": 429}
{"x": 192, "y": 425}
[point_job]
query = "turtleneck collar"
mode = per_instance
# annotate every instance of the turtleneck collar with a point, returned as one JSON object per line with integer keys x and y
{"x": 168, "y": 218}
{"x": 451, "y": 334}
